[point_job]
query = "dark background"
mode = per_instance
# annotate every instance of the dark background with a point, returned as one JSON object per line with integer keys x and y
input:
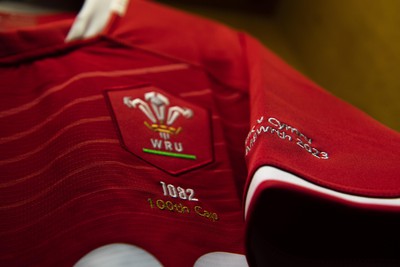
{"x": 350, "y": 47}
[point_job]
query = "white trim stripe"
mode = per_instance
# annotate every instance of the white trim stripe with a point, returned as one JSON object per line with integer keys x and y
{"x": 268, "y": 173}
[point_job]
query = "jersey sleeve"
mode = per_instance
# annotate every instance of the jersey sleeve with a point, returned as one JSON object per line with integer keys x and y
{"x": 310, "y": 157}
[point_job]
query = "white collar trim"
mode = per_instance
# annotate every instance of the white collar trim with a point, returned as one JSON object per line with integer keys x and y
{"x": 268, "y": 173}
{"x": 94, "y": 17}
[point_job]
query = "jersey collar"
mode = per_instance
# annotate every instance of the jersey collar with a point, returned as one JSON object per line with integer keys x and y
{"x": 28, "y": 36}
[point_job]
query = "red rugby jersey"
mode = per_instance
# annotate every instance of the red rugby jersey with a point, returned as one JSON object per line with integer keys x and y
{"x": 110, "y": 141}
{"x": 127, "y": 147}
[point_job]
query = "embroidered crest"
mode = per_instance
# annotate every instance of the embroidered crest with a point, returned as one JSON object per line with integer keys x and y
{"x": 162, "y": 129}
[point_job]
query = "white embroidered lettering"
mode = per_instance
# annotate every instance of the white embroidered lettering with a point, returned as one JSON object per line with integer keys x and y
{"x": 168, "y": 145}
{"x": 283, "y": 131}
{"x": 156, "y": 143}
{"x": 178, "y": 147}
{"x": 178, "y": 192}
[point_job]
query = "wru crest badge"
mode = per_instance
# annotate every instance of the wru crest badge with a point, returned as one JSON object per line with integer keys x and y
{"x": 160, "y": 122}
{"x": 164, "y": 130}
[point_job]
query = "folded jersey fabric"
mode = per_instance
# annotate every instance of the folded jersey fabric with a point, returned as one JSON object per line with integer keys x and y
{"x": 149, "y": 142}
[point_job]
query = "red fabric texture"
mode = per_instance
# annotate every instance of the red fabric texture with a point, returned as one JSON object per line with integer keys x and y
{"x": 188, "y": 141}
{"x": 363, "y": 154}
{"x": 68, "y": 185}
